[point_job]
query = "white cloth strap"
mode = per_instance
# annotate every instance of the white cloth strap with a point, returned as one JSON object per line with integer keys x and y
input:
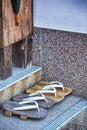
{"x": 26, "y": 107}
{"x": 54, "y": 84}
{"x": 44, "y": 91}
{"x": 30, "y": 99}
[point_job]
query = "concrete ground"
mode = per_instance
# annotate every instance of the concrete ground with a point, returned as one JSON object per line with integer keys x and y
{"x": 14, "y": 122}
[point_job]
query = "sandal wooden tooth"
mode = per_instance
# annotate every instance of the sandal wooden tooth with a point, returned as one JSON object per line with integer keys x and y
{"x": 8, "y": 113}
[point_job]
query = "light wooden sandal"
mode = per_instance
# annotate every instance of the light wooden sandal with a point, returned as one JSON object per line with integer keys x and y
{"x": 60, "y": 88}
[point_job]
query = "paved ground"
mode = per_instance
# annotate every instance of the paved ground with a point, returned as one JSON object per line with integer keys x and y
{"x": 14, "y": 122}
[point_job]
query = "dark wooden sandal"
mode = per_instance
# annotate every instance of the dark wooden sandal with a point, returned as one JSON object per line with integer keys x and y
{"x": 25, "y": 111}
{"x": 42, "y": 101}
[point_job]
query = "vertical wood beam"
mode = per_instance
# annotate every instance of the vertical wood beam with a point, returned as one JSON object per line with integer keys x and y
{"x": 29, "y": 50}
{"x": 5, "y": 62}
{"x": 22, "y": 53}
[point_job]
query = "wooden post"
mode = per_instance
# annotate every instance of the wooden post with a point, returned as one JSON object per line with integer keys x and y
{"x": 29, "y": 50}
{"x": 9, "y": 32}
{"x": 22, "y": 53}
{"x": 5, "y": 62}
{"x": 15, "y": 41}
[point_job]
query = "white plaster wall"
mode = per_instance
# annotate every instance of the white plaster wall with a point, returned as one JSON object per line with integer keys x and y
{"x": 68, "y": 15}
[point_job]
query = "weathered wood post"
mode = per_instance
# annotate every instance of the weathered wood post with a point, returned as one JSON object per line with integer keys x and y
{"x": 15, "y": 41}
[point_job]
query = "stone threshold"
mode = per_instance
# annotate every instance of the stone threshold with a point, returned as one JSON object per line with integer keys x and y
{"x": 19, "y": 81}
{"x": 58, "y": 116}
{"x": 18, "y": 74}
{"x": 67, "y": 116}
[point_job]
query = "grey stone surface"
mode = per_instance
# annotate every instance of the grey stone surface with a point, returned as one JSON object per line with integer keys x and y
{"x": 75, "y": 115}
{"x": 63, "y": 57}
{"x": 14, "y": 123}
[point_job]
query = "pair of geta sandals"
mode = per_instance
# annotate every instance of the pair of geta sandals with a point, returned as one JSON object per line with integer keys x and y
{"x": 34, "y": 102}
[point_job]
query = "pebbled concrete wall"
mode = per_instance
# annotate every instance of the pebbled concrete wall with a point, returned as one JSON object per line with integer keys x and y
{"x": 63, "y": 57}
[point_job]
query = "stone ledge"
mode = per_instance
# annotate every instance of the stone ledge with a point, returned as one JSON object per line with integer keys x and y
{"x": 65, "y": 118}
{"x": 21, "y": 80}
{"x": 57, "y": 111}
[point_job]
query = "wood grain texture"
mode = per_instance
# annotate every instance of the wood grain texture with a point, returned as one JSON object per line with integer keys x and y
{"x": 22, "y": 53}
{"x": 1, "y": 39}
{"x": 5, "y": 62}
{"x": 11, "y": 32}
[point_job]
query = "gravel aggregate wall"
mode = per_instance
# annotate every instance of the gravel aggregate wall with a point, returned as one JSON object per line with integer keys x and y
{"x": 63, "y": 57}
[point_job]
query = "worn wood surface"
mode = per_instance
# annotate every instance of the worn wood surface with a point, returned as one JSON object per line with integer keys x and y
{"x": 20, "y": 84}
{"x": 5, "y": 62}
{"x": 29, "y": 50}
{"x": 11, "y": 32}
{"x": 21, "y": 53}
{"x": 1, "y": 41}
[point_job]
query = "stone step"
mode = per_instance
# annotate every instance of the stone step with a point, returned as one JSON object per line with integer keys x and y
{"x": 19, "y": 81}
{"x": 65, "y": 118}
{"x": 72, "y": 108}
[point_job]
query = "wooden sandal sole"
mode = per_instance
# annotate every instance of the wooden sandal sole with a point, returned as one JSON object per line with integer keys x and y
{"x": 9, "y": 106}
{"x": 43, "y": 104}
{"x": 60, "y": 93}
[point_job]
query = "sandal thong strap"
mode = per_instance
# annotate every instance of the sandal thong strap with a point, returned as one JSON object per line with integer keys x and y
{"x": 54, "y": 84}
{"x": 43, "y": 92}
{"x": 36, "y": 106}
{"x": 36, "y": 98}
